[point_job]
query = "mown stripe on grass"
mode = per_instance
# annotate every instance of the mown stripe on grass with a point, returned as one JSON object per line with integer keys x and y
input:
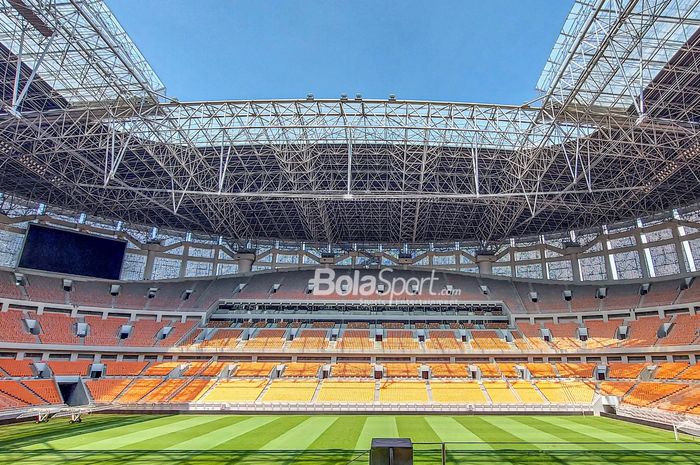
{"x": 255, "y": 438}
{"x": 612, "y": 431}
{"x": 376, "y": 427}
{"x": 301, "y": 436}
{"x": 448, "y": 429}
{"x": 342, "y": 434}
{"x": 416, "y": 428}
{"x": 140, "y": 434}
{"x": 486, "y": 431}
{"x": 537, "y": 437}
{"x": 234, "y": 426}
{"x": 76, "y": 440}
{"x": 177, "y": 438}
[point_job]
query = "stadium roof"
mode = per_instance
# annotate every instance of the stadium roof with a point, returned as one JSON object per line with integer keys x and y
{"x": 85, "y": 125}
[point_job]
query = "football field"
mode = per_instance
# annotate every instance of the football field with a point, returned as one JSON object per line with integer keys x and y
{"x": 316, "y": 439}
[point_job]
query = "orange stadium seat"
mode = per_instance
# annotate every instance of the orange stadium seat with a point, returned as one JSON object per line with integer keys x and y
{"x": 139, "y": 389}
{"x": 669, "y": 370}
{"x": 310, "y": 339}
{"x": 684, "y": 331}
{"x": 106, "y": 390}
{"x": 254, "y": 369}
{"x": 449, "y": 370}
{"x": 14, "y": 329}
{"x": 351, "y": 370}
{"x": 355, "y": 340}
{"x": 19, "y": 368}
{"x": 301, "y": 370}
{"x": 576, "y": 370}
{"x": 45, "y": 389}
{"x": 401, "y": 370}
{"x": 223, "y": 338}
{"x": 647, "y": 393}
{"x": 625, "y": 370}
{"x": 65, "y": 368}
{"x": 443, "y": 341}
{"x": 193, "y": 390}
{"x": 400, "y": 340}
{"x": 124, "y": 368}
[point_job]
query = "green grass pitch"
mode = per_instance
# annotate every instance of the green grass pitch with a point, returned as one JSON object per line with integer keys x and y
{"x": 320, "y": 439}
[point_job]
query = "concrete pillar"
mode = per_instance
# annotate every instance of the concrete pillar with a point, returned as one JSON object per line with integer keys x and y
{"x": 245, "y": 260}
{"x": 679, "y": 249}
{"x": 485, "y": 263}
{"x": 150, "y": 258}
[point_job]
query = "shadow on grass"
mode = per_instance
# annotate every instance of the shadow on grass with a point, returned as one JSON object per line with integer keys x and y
{"x": 26, "y": 434}
{"x": 339, "y": 456}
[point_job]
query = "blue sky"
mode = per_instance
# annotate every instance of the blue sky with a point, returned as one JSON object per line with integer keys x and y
{"x": 461, "y": 50}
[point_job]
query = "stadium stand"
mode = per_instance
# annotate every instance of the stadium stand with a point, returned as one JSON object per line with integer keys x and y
{"x": 65, "y": 368}
{"x": 443, "y": 341}
{"x": 138, "y": 389}
{"x": 240, "y": 390}
{"x": 44, "y": 388}
{"x": 618, "y": 370}
{"x": 103, "y": 332}
{"x": 106, "y": 390}
{"x": 124, "y": 368}
{"x": 399, "y": 340}
{"x": 645, "y": 393}
{"x": 500, "y": 393}
{"x": 669, "y": 370}
{"x": 254, "y": 369}
{"x": 351, "y": 392}
{"x": 404, "y": 391}
{"x": 14, "y": 328}
{"x": 290, "y": 391}
{"x": 18, "y": 368}
{"x": 223, "y": 338}
{"x": 450, "y": 392}
{"x": 448, "y": 370}
{"x": 576, "y": 370}
{"x": 301, "y": 370}
{"x": 310, "y": 339}
{"x": 355, "y": 340}
{"x": 684, "y": 331}
{"x": 351, "y": 370}
{"x": 527, "y": 393}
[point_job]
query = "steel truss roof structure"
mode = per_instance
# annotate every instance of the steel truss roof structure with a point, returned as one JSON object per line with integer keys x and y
{"x": 85, "y": 126}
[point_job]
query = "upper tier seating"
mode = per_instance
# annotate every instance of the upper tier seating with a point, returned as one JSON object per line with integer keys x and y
{"x": 14, "y": 329}
{"x": 443, "y": 341}
{"x": 143, "y": 333}
{"x": 239, "y": 390}
{"x": 541, "y": 370}
{"x": 449, "y": 370}
{"x": 91, "y": 294}
{"x": 400, "y": 340}
{"x": 508, "y": 370}
{"x": 223, "y": 338}
{"x": 488, "y": 340}
{"x": 266, "y": 339}
{"x": 682, "y": 401}
{"x": 489, "y": 370}
{"x": 57, "y": 328}
{"x": 20, "y": 368}
{"x": 355, "y": 340}
{"x": 302, "y": 370}
{"x": 310, "y": 339}
{"x": 103, "y": 332}
{"x": 254, "y": 369}
{"x": 684, "y": 331}
{"x": 643, "y": 332}
{"x": 669, "y": 370}
{"x": 125, "y": 368}
{"x": 213, "y": 369}
{"x": 8, "y": 288}
{"x": 661, "y": 293}
{"x": 576, "y": 370}
{"x": 691, "y": 373}
{"x": 351, "y": 370}
{"x": 66, "y": 368}
{"x": 602, "y": 333}
{"x": 564, "y": 335}
{"x": 401, "y": 370}
{"x": 106, "y": 390}
{"x": 177, "y": 333}
{"x": 625, "y": 370}
{"x": 43, "y": 289}
{"x": 457, "y": 392}
{"x": 350, "y": 392}
{"x": 290, "y": 391}
{"x": 161, "y": 368}
{"x": 392, "y": 391}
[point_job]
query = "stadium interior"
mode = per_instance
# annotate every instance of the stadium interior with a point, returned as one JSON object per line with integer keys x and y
{"x": 423, "y": 258}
